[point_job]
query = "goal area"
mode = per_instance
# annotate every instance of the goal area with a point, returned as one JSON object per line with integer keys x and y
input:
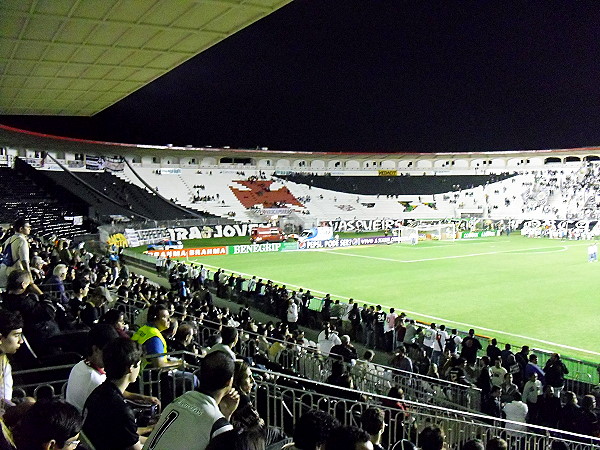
{"x": 427, "y": 232}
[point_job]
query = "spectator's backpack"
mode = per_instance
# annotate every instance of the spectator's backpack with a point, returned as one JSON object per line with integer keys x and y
{"x": 451, "y": 343}
{"x": 6, "y": 257}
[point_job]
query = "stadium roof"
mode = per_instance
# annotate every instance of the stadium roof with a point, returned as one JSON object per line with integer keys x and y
{"x": 78, "y": 57}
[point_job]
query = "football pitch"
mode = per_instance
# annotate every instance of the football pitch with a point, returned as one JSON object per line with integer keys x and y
{"x": 538, "y": 292}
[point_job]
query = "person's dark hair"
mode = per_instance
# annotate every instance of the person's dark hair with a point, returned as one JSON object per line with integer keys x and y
{"x": 431, "y": 438}
{"x": 372, "y": 420}
{"x": 473, "y": 444}
{"x": 111, "y": 317}
{"x": 238, "y": 439}
{"x": 183, "y": 331}
{"x": 396, "y": 392}
{"x": 10, "y": 321}
{"x": 79, "y": 284}
{"x": 153, "y": 311}
{"x": 228, "y": 335}
{"x": 240, "y": 372}
{"x": 312, "y": 429}
{"x": 119, "y": 355}
{"x": 100, "y": 335}
{"x": 496, "y": 443}
{"x": 19, "y": 223}
{"x": 46, "y": 421}
{"x": 16, "y": 279}
{"x": 217, "y": 370}
{"x": 346, "y": 438}
{"x": 587, "y": 402}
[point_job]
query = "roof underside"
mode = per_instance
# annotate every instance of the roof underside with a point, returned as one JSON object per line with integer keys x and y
{"x": 78, "y": 57}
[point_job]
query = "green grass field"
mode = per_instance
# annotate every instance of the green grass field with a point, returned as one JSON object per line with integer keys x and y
{"x": 538, "y": 292}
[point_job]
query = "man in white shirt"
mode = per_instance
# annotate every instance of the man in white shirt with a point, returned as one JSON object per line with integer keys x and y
{"x": 429, "y": 337}
{"x": 89, "y": 373}
{"x": 439, "y": 344}
{"x": 388, "y": 329}
{"x": 498, "y": 372}
{"x": 192, "y": 420}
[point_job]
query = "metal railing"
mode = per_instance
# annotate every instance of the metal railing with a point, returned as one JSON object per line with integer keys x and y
{"x": 282, "y": 398}
{"x": 281, "y": 404}
{"x": 367, "y": 376}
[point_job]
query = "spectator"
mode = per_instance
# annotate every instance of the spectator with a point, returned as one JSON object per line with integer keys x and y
{"x": 521, "y": 358}
{"x": 15, "y": 255}
{"x": 346, "y": 350}
{"x": 400, "y": 361}
{"x": 229, "y": 338}
{"x": 49, "y": 425}
{"x": 11, "y": 338}
{"x": 373, "y": 422}
{"x": 431, "y": 438}
{"x": 492, "y": 350}
{"x": 498, "y": 372}
{"x": 473, "y": 444}
{"x": 510, "y": 390}
{"x": 491, "y": 403}
{"x": 89, "y": 373}
{"x": 38, "y": 316}
{"x": 496, "y": 443}
{"x": 470, "y": 347}
{"x": 532, "y": 367}
{"x": 241, "y": 439}
{"x": 312, "y": 430}
{"x": 116, "y": 319}
{"x": 348, "y": 438}
{"x": 588, "y": 423}
{"x": 192, "y": 420}
{"x": 516, "y": 411}
{"x": 531, "y": 392}
{"x": 92, "y": 310}
{"x": 150, "y": 338}
{"x": 569, "y": 414}
{"x": 327, "y": 339}
{"x": 54, "y": 285}
{"x": 109, "y": 422}
{"x": 246, "y": 416}
{"x": 555, "y": 371}
{"x": 548, "y": 407}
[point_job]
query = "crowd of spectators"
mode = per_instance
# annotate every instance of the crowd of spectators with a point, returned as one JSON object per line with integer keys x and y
{"x": 68, "y": 301}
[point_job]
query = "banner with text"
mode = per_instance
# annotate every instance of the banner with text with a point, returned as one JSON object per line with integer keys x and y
{"x": 348, "y": 242}
{"x": 363, "y": 225}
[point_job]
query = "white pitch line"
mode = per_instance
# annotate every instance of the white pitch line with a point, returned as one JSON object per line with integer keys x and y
{"x": 550, "y": 250}
{"x": 433, "y": 318}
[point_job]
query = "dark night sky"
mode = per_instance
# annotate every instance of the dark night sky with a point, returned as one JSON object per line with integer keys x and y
{"x": 376, "y": 75}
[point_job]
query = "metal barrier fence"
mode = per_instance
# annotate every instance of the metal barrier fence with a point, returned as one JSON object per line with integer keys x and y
{"x": 280, "y": 404}
{"x": 367, "y": 376}
{"x": 281, "y": 399}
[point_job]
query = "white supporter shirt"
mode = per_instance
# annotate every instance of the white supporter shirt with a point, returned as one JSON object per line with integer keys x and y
{"x": 187, "y": 422}
{"x": 83, "y": 379}
{"x": 517, "y": 412}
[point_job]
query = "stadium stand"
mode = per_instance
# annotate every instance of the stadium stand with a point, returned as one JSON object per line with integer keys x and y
{"x": 397, "y": 185}
{"x": 292, "y": 375}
